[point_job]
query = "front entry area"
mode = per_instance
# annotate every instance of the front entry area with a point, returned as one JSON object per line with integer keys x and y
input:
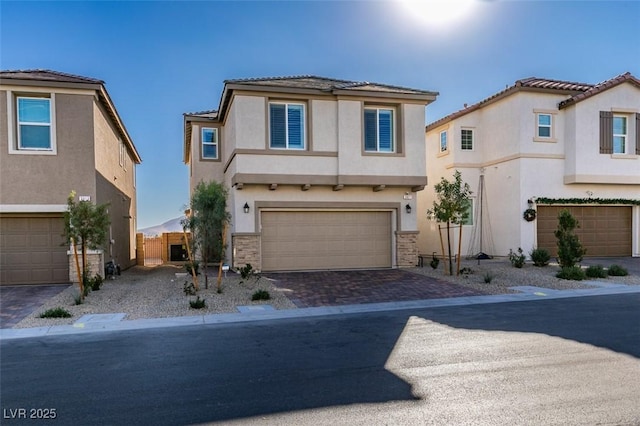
{"x": 314, "y": 240}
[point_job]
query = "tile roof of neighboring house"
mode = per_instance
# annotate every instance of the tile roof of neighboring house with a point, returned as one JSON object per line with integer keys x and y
{"x": 46, "y": 75}
{"x": 202, "y": 114}
{"x": 575, "y": 91}
{"x": 57, "y": 78}
{"x": 530, "y": 84}
{"x": 607, "y": 84}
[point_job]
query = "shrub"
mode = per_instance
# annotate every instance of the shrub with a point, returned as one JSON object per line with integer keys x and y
{"x": 198, "y": 303}
{"x": 261, "y": 295}
{"x": 77, "y": 299}
{"x": 94, "y": 283}
{"x": 570, "y": 250}
{"x": 488, "y": 278}
{"x": 596, "y": 271}
{"x": 192, "y": 266}
{"x": 189, "y": 289}
{"x": 617, "y": 271}
{"x": 466, "y": 271}
{"x": 574, "y": 273}
{"x": 56, "y": 313}
{"x": 247, "y": 272}
{"x": 434, "y": 262}
{"x": 517, "y": 260}
{"x": 540, "y": 257}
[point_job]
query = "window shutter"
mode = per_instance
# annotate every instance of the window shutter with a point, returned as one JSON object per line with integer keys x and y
{"x": 370, "y": 130}
{"x": 386, "y": 131}
{"x": 277, "y": 126}
{"x": 637, "y": 134}
{"x": 295, "y": 126}
{"x": 606, "y": 132}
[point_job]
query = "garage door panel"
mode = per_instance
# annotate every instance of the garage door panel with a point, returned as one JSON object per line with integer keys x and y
{"x": 32, "y": 251}
{"x": 604, "y": 230}
{"x": 325, "y": 240}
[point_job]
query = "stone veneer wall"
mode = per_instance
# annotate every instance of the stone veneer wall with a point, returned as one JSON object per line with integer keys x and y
{"x": 246, "y": 249}
{"x": 95, "y": 264}
{"x": 407, "y": 249}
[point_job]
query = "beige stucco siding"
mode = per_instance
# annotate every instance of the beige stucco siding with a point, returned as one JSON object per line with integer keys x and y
{"x": 48, "y": 179}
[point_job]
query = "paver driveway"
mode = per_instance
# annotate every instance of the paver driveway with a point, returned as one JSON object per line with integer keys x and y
{"x": 330, "y": 288}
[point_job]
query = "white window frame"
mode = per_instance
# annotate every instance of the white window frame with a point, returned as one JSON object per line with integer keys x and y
{"x": 13, "y": 126}
{"x": 473, "y": 137}
{"x": 551, "y": 126}
{"x": 216, "y": 143}
{"x": 623, "y": 136}
{"x": 303, "y": 126}
{"x": 446, "y": 141}
{"x": 393, "y": 130}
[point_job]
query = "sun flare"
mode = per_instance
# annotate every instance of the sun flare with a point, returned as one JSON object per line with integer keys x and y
{"x": 437, "y": 13}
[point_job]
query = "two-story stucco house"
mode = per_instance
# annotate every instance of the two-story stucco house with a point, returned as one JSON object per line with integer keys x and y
{"x": 60, "y": 133}
{"x": 546, "y": 145}
{"x": 322, "y": 173}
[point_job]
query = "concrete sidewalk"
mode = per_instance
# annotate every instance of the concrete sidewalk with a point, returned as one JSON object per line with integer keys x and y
{"x": 115, "y": 322}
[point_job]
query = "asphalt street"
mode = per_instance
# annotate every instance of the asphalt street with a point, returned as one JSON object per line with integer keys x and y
{"x": 571, "y": 361}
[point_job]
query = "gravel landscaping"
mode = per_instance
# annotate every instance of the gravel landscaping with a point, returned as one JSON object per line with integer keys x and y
{"x": 157, "y": 292}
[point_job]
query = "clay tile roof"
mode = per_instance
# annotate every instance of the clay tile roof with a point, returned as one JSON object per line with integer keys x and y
{"x": 607, "y": 84}
{"x": 203, "y": 114}
{"x": 46, "y": 75}
{"x": 531, "y": 83}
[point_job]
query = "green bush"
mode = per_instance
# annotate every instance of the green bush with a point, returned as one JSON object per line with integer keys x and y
{"x": 575, "y": 273}
{"x": 570, "y": 250}
{"x": 434, "y": 262}
{"x": 56, "y": 313}
{"x": 488, "y": 277}
{"x": 94, "y": 283}
{"x": 261, "y": 295}
{"x": 540, "y": 256}
{"x": 596, "y": 271}
{"x": 192, "y": 266}
{"x": 517, "y": 259}
{"x": 189, "y": 289}
{"x": 617, "y": 271}
{"x": 247, "y": 272}
{"x": 198, "y": 303}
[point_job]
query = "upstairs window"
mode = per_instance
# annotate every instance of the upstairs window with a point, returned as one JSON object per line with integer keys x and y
{"x": 286, "y": 125}
{"x": 466, "y": 139}
{"x": 34, "y": 124}
{"x": 544, "y": 126}
{"x": 378, "y": 130}
{"x": 616, "y": 133}
{"x": 619, "y": 134}
{"x": 443, "y": 141}
{"x": 209, "y": 143}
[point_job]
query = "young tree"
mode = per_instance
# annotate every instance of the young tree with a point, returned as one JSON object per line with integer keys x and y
{"x": 86, "y": 225}
{"x": 451, "y": 206}
{"x": 207, "y": 223}
{"x": 570, "y": 250}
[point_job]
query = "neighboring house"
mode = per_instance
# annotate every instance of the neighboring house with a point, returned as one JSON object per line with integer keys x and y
{"x": 322, "y": 173}
{"x": 60, "y": 132}
{"x": 547, "y": 145}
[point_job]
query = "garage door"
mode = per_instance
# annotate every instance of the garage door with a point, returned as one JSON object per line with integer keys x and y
{"x": 31, "y": 251}
{"x": 325, "y": 240}
{"x": 604, "y": 230}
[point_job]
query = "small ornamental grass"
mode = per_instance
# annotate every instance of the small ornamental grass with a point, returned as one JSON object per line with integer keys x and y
{"x": 574, "y": 273}
{"x": 198, "y": 303}
{"x": 617, "y": 271}
{"x": 596, "y": 271}
{"x": 56, "y": 313}
{"x": 261, "y": 295}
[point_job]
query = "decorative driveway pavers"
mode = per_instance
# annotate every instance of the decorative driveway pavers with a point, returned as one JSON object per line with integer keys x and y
{"x": 18, "y": 302}
{"x": 331, "y": 288}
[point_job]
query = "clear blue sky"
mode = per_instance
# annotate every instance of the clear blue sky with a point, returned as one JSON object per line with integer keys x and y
{"x": 161, "y": 59}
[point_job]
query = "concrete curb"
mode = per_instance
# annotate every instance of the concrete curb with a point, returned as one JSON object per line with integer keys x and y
{"x": 113, "y": 322}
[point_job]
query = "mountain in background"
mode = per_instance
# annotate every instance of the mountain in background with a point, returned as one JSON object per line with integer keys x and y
{"x": 172, "y": 225}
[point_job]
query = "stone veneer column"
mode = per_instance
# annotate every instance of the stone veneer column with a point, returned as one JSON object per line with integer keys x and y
{"x": 95, "y": 264}
{"x": 246, "y": 249}
{"x": 407, "y": 249}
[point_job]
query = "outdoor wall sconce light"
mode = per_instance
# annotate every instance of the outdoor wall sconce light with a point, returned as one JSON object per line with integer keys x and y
{"x": 408, "y": 208}
{"x": 246, "y": 207}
